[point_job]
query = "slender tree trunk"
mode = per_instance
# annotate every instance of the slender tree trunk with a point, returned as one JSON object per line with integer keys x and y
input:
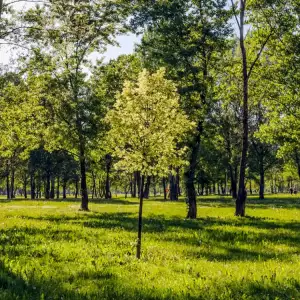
{"x": 233, "y": 182}
{"x": 52, "y": 190}
{"x": 32, "y": 186}
{"x": 7, "y": 185}
{"x": 140, "y": 224}
{"x": 108, "y": 160}
{"x": 76, "y": 188}
{"x": 47, "y": 186}
{"x": 242, "y": 194}
{"x": 262, "y": 183}
{"x": 164, "y": 188}
{"x": 190, "y": 175}
{"x": 84, "y": 191}
{"x": 173, "y": 188}
{"x": 57, "y": 188}
{"x": 25, "y": 186}
{"x": 147, "y": 188}
{"x": 64, "y": 189}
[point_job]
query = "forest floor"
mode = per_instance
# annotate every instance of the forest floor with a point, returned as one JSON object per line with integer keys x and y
{"x": 50, "y": 250}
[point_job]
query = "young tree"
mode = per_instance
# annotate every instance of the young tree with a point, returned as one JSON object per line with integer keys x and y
{"x": 146, "y": 128}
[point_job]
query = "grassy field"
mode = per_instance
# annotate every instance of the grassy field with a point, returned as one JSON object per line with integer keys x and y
{"x": 50, "y": 250}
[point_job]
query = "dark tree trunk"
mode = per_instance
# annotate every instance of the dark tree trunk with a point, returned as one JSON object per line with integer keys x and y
{"x": 140, "y": 224}
{"x": 190, "y": 175}
{"x": 178, "y": 183}
{"x": 64, "y": 190}
{"x": 173, "y": 188}
{"x": 76, "y": 188}
{"x": 47, "y": 187}
{"x": 242, "y": 194}
{"x": 108, "y": 160}
{"x": 25, "y": 186}
{"x": 262, "y": 183}
{"x": 32, "y": 186}
{"x": 57, "y": 188}
{"x": 12, "y": 184}
{"x": 52, "y": 190}
{"x": 147, "y": 188}
{"x": 7, "y": 185}
{"x": 84, "y": 191}
{"x": 164, "y": 188}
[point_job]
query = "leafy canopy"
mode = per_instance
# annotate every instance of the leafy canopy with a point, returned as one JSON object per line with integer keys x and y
{"x": 147, "y": 125}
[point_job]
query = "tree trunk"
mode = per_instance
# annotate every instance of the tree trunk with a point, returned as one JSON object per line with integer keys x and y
{"x": 76, "y": 188}
{"x": 173, "y": 188}
{"x": 84, "y": 191}
{"x": 12, "y": 184}
{"x": 7, "y": 185}
{"x": 32, "y": 186}
{"x": 47, "y": 187}
{"x": 164, "y": 188}
{"x": 190, "y": 175}
{"x": 242, "y": 194}
{"x": 262, "y": 184}
{"x": 147, "y": 188}
{"x": 52, "y": 190}
{"x": 108, "y": 160}
{"x": 57, "y": 188}
{"x": 64, "y": 190}
{"x": 140, "y": 224}
{"x": 25, "y": 186}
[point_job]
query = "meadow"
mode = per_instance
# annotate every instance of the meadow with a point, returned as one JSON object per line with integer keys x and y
{"x": 51, "y": 250}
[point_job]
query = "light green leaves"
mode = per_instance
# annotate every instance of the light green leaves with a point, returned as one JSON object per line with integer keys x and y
{"x": 147, "y": 125}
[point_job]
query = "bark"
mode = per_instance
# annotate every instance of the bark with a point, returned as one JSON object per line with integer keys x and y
{"x": 7, "y": 186}
{"x": 140, "y": 224}
{"x": 233, "y": 181}
{"x": 190, "y": 175}
{"x": 173, "y": 188}
{"x": 64, "y": 190}
{"x": 164, "y": 188}
{"x": 25, "y": 186}
{"x": 47, "y": 187}
{"x": 147, "y": 188}
{"x": 84, "y": 191}
{"x": 52, "y": 189}
{"x": 108, "y": 160}
{"x": 76, "y": 188}
{"x": 57, "y": 188}
{"x": 262, "y": 183}
{"x": 32, "y": 186}
{"x": 242, "y": 194}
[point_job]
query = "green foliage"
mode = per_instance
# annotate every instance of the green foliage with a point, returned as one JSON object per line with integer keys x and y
{"x": 147, "y": 126}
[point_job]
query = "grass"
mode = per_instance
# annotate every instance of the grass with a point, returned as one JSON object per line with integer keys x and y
{"x": 50, "y": 250}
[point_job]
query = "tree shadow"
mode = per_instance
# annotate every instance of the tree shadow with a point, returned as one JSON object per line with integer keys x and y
{"x": 251, "y": 232}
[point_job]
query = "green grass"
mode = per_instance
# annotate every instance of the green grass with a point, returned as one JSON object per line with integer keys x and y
{"x": 50, "y": 250}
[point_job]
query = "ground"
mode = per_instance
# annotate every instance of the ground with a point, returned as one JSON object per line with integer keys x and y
{"x": 50, "y": 250}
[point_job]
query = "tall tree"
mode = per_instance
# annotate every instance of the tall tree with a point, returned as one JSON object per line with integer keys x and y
{"x": 63, "y": 35}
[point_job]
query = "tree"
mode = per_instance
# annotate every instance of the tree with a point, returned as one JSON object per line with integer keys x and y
{"x": 63, "y": 35}
{"x": 146, "y": 128}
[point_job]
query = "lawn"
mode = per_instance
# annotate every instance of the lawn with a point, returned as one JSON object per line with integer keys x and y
{"x": 50, "y": 250}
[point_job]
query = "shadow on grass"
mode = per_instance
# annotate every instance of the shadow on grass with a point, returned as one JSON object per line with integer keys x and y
{"x": 109, "y": 286}
{"x": 236, "y": 243}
